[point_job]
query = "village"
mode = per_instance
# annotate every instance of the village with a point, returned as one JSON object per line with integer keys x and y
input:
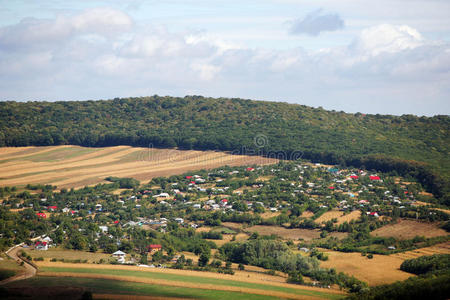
{"x": 289, "y": 195}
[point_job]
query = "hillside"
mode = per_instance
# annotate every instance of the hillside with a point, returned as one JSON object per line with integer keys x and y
{"x": 240, "y": 126}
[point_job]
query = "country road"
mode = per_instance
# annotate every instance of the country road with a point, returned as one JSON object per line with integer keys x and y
{"x": 30, "y": 271}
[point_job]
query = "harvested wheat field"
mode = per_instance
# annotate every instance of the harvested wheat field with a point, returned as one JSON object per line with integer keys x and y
{"x": 382, "y": 269}
{"x": 307, "y": 214}
{"x": 294, "y": 234}
{"x": 68, "y": 255}
{"x": 74, "y": 166}
{"x": 269, "y": 214}
{"x": 408, "y": 229}
{"x": 339, "y": 215}
{"x": 443, "y": 248}
{"x": 232, "y": 225}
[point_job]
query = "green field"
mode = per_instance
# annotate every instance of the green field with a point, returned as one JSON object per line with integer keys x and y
{"x": 194, "y": 280}
{"x": 60, "y": 253}
{"x": 102, "y": 286}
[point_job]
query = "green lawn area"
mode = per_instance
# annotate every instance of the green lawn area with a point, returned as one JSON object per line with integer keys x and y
{"x": 60, "y": 253}
{"x": 194, "y": 280}
{"x": 103, "y": 286}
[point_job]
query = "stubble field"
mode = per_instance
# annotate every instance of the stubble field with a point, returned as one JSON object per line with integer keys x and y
{"x": 74, "y": 166}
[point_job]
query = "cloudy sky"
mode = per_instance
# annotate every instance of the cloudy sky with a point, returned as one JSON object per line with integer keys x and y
{"x": 385, "y": 56}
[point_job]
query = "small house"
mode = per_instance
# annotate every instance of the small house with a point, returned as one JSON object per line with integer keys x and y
{"x": 119, "y": 254}
{"x": 40, "y": 245}
{"x": 154, "y": 248}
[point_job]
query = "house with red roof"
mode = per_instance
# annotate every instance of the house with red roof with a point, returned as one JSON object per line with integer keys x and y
{"x": 154, "y": 248}
{"x": 374, "y": 177}
{"x": 41, "y": 246}
{"x": 41, "y": 215}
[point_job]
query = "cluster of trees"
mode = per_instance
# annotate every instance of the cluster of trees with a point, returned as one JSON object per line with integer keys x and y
{"x": 414, "y": 288}
{"x": 124, "y": 183}
{"x": 241, "y": 126}
{"x": 427, "y": 264}
{"x": 273, "y": 254}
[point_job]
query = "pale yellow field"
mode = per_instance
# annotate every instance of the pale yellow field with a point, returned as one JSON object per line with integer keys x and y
{"x": 74, "y": 166}
{"x": 407, "y": 229}
{"x": 339, "y": 215}
{"x": 269, "y": 214}
{"x": 68, "y": 254}
{"x": 382, "y": 269}
{"x": 443, "y": 248}
{"x": 307, "y": 214}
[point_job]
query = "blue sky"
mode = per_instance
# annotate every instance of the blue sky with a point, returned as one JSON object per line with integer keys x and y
{"x": 386, "y": 56}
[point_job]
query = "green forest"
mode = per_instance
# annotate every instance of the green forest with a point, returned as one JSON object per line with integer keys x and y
{"x": 408, "y": 144}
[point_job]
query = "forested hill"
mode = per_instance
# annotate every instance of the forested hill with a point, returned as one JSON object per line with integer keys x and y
{"x": 195, "y": 122}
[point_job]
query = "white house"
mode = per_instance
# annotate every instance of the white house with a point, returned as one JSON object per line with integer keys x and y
{"x": 120, "y": 256}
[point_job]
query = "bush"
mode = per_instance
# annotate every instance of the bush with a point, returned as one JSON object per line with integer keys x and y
{"x": 370, "y": 256}
{"x": 295, "y": 277}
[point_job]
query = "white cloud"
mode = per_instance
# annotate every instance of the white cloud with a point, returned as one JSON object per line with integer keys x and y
{"x": 386, "y": 68}
{"x": 387, "y": 38}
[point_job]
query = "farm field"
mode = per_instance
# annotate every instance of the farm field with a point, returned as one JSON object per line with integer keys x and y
{"x": 251, "y": 274}
{"x": 75, "y": 166}
{"x": 443, "y": 248}
{"x": 339, "y": 215}
{"x": 47, "y": 287}
{"x": 182, "y": 278}
{"x": 381, "y": 269}
{"x": 408, "y": 229}
{"x": 69, "y": 255}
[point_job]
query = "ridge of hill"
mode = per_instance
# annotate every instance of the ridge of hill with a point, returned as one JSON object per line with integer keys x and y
{"x": 416, "y": 146}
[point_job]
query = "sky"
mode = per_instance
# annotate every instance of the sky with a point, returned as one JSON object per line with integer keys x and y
{"x": 385, "y": 56}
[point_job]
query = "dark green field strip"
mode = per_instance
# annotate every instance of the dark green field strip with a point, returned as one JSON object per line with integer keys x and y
{"x": 193, "y": 279}
{"x": 104, "y": 286}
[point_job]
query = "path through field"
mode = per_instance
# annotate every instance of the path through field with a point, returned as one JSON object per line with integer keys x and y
{"x": 74, "y": 166}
